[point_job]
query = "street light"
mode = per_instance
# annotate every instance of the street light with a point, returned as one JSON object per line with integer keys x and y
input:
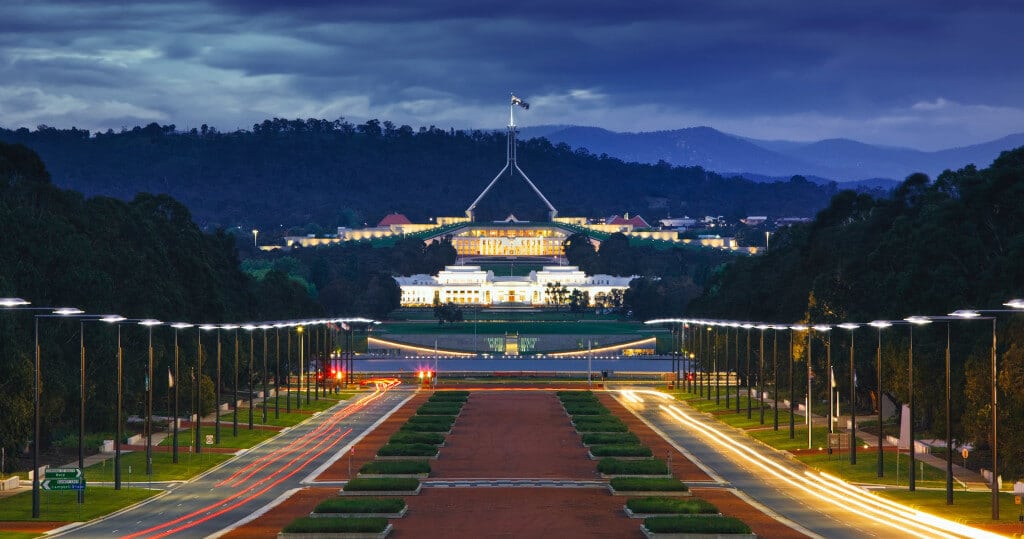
{"x": 853, "y": 395}
{"x": 255, "y": 233}
{"x": 177, "y": 353}
{"x": 760, "y": 373}
{"x": 234, "y": 372}
{"x": 775, "y": 376}
{"x": 747, "y": 326}
{"x": 1015, "y": 306}
{"x": 265, "y": 327}
{"x": 792, "y": 390}
{"x": 821, "y": 328}
{"x": 252, "y": 352}
{"x": 880, "y": 325}
{"x": 149, "y": 323}
{"x": 216, "y": 398}
{"x": 277, "y": 370}
{"x": 914, "y": 321}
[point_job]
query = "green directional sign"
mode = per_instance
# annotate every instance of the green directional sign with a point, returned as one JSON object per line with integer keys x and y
{"x": 63, "y": 479}
{"x": 63, "y": 473}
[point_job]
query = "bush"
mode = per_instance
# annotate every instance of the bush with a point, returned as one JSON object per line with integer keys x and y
{"x": 360, "y": 505}
{"x": 395, "y": 466}
{"x": 632, "y": 467}
{"x": 576, "y": 396}
{"x": 620, "y": 451}
{"x": 667, "y": 484}
{"x": 417, "y": 438}
{"x": 382, "y": 484}
{"x": 424, "y": 427}
{"x": 407, "y": 450}
{"x": 586, "y": 409}
{"x": 351, "y": 525}
{"x": 690, "y": 506}
{"x": 594, "y": 438}
{"x": 695, "y": 525}
{"x": 449, "y": 396}
{"x": 599, "y": 424}
{"x": 432, "y": 419}
{"x": 439, "y": 408}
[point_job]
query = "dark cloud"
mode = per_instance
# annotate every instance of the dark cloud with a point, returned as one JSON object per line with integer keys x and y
{"x": 806, "y": 70}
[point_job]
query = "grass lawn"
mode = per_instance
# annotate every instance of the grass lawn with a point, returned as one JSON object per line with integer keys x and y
{"x": 62, "y": 506}
{"x": 246, "y": 438}
{"x": 189, "y": 464}
{"x": 968, "y": 507}
{"x": 17, "y": 535}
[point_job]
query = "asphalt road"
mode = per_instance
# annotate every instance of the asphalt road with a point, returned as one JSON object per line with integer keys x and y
{"x": 780, "y": 484}
{"x": 227, "y": 494}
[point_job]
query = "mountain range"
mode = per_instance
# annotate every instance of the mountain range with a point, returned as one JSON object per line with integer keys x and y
{"x": 840, "y": 160}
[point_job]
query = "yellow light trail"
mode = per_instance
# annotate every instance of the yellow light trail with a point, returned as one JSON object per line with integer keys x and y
{"x": 823, "y": 486}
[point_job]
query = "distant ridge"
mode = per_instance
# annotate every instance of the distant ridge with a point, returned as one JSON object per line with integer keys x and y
{"x": 841, "y": 160}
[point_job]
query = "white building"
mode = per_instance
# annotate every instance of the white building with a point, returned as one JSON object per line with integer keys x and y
{"x": 474, "y": 286}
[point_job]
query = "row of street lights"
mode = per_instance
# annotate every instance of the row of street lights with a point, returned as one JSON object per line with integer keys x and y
{"x": 702, "y": 348}
{"x": 18, "y": 304}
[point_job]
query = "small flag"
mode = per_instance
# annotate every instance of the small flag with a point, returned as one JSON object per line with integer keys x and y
{"x": 520, "y": 102}
{"x": 170, "y": 378}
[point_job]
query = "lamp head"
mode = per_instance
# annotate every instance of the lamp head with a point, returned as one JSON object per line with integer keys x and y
{"x": 150, "y": 322}
{"x": 112, "y": 318}
{"x": 1013, "y": 303}
{"x": 822, "y": 327}
{"x": 13, "y": 302}
{"x": 848, "y": 325}
{"x": 880, "y": 324}
{"x": 965, "y": 313}
{"x": 918, "y": 320}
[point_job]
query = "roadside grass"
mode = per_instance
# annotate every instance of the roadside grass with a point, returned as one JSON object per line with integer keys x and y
{"x": 972, "y": 508}
{"x": 189, "y": 465}
{"x": 62, "y": 506}
{"x": 246, "y": 438}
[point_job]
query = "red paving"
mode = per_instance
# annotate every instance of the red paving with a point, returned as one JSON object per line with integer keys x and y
{"x": 512, "y": 434}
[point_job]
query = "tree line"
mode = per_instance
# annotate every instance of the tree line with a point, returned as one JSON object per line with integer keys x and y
{"x": 929, "y": 248}
{"x": 317, "y": 174}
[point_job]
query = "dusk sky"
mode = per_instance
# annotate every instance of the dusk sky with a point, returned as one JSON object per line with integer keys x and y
{"x": 922, "y": 74}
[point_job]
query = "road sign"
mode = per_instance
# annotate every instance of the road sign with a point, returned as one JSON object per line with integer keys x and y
{"x": 62, "y": 484}
{"x": 209, "y": 439}
{"x": 63, "y": 473}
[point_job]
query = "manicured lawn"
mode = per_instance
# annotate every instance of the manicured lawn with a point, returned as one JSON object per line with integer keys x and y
{"x": 968, "y": 507}
{"x": 62, "y": 506}
{"x": 246, "y": 438}
{"x": 866, "y": 469}
{"x": 163, "y": 469}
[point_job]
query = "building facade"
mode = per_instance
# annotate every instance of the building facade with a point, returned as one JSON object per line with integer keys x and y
{"x": 471, "y": 285}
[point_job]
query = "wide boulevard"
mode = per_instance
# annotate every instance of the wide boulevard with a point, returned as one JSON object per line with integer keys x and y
{"x": 252, "y": 480}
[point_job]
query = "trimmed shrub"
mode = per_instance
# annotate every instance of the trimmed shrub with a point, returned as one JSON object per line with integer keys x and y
{"x": 599, "y": 424}
{"x": 576, "y": 396}
{"x": 382, "y": 484}
{"x": 613, "y": 466}
{"x": 395, "y": 467}
{"x": 425, "y": 427}
{"x": 595, "y": 438}
{"x": 449, "y": 396}
{"x": 439, "y": 408}
{"x": 351, "y": 525}
{"x": 689, "y": 506}
{"x": 433, "y": 419}
{"x": 620, "y": 451}
{"x": 360, "y": 505}
{"x": 407, "y": 450}
{"x": 724, "y": 525}
{"x": 586, "y": 409}
{"x": 643, "y": 483}
{"x": 417, "y": 438}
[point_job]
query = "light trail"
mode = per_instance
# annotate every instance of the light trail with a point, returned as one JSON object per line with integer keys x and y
{"x": 313, "y": 445}
{"x": 823, "y": 486}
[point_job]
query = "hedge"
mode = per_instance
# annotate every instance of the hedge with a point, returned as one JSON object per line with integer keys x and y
{"x": 612, "y": 466}
{"x": 443, "y": 419}
{"x": 645, "y": 483}
{"x": 689, "y": 506}
{"x": 449, "y": 396}
{"x": 595, "y": 438}
{"x": 382, "y": 483}
{"x": 407, "y": 450}
{"x": 425, "y": 427}
{"x": 350, "y": 525}
{"x": 620, "y": 450}
{"x": 576, "y": 396}
{"x": 439, "y": 408}
{"x": 395, "y": 467}
{"x": 600, "y": 424}
{"x": 684, "y": 524}
{"x": 360, "y": 505}
{"x": 586, "y": 409}
{"x": 417, "y": 438}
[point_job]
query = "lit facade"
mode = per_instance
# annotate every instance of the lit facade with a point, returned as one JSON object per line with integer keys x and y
{"x": 470, "y": 285}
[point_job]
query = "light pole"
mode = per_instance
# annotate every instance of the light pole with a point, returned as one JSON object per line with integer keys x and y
{"x": 880, "y": 325}
{"x": 298, "y": 390}
{"x": 288, "y": 369}
{"x": 821, "y": 328}
{"x": 914, "y": 321}
{"x": 265, "y": 327}
{"x": 747, "y": 326}
{"x": 775, "y": 375}
{"x": 1016, "y": 305}
{"x": 177, "y": 354}
{"x": 792, "y": 386}
{"x": 216, "y": 398}
{"x": 234, "y": 389}
{"x": 277, "y": 370}
{"x": 760, "y": 371}
{"x": 149, "y": 323}
{"x": 252, "y": 352}
{"x": 853, "y": 395}
{"x": 198, "y": 383}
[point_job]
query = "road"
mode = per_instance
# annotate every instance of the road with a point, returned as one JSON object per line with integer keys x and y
{"x": 811, "y": 503}
{"x": 245, "y": 484}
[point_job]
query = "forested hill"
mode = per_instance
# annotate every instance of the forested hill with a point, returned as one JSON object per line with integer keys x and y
{"x": 295, "y": 172}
